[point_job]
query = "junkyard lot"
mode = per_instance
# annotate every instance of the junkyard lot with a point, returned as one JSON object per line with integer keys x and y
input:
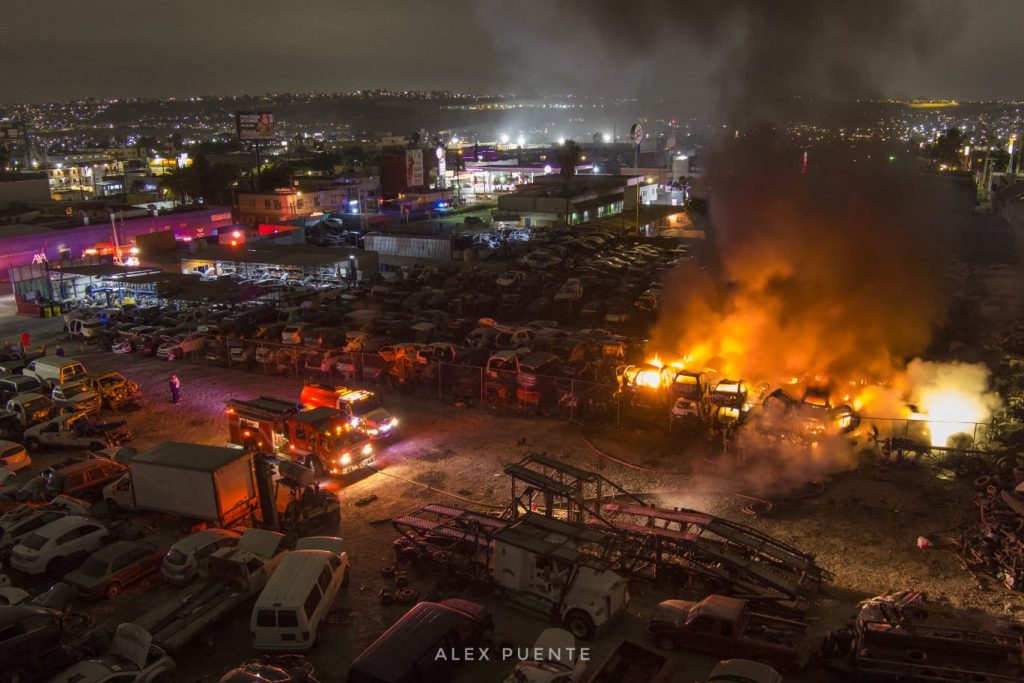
{"x": 863, "y": 527}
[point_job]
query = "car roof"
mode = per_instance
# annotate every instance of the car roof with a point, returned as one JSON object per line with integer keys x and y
{"x": 59, "y": 526}
{"x": 118, "y": 548}
{"x": 290, "y": 583}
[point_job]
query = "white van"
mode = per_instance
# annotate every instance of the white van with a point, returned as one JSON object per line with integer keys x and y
{"x": 299, "y": 595}
{"x": 51, "y": 370}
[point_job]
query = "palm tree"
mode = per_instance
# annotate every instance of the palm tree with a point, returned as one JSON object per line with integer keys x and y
{"x": 569, "y": 156}
{"x": 180, "y": 184}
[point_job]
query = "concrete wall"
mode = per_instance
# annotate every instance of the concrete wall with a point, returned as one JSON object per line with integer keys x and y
{"x": 17, "y": 191}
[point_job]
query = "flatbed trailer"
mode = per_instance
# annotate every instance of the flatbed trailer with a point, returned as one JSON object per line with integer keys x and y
{"x": 193, "y": 609}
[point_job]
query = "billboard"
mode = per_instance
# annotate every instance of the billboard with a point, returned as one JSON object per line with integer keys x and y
{"x": 255, "y": 125}
{"x": 442, "y": 167}
{"x": 414, "y": 167}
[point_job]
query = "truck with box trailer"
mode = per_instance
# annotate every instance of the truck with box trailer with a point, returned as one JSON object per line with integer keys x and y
{"x": 212, "y": 484}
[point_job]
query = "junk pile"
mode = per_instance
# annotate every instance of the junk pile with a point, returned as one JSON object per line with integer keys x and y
{"x": 995, "y": 546}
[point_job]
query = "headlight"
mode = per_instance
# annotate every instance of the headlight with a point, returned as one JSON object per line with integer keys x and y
{"x": 354, "y": 422}
{"x": 345, "y": 459}
{"x": 367, "y": 449}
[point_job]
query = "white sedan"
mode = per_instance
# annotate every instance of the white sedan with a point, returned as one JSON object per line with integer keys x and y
{"x": 63, "y": 539}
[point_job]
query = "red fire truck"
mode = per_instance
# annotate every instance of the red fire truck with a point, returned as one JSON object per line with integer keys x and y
{"x": 322, "y": 438}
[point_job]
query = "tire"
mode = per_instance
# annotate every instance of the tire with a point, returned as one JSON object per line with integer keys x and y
{"x": 580, "y": 624}
{"x": 666, "y": 642}
{"x": 406, "y": 596}
{"x": 113, "y": 590}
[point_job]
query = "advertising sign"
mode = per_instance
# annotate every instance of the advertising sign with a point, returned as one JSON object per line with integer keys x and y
{"x": 636, "y": 132}
{"x": 413, "y": 167}
{"x": 255, "y": 125}
{"x": 442, "y": 167}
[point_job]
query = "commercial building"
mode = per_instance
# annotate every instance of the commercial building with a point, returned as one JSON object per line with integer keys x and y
{"x": 43, "y": 239}
{"x": 307, "y": 197}
{"x": 551, "y": 201}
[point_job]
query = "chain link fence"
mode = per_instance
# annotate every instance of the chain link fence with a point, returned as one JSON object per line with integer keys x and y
{"x": 560, "y": 397}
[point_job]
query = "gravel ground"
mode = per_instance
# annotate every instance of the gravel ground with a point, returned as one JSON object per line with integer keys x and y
{"x": 862, "y": 526}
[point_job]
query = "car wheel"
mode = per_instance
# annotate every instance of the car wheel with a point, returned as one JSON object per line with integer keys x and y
{"x": 580, "y": 624}
{"x": 113, "y": 590}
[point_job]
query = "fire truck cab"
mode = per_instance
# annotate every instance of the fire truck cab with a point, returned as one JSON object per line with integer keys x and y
{"x": 363, "y": 408}
{"x": 323, "y": 439}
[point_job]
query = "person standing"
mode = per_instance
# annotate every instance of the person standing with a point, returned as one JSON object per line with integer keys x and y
{"x": 175, "y": 389}
{"x": 60, "y": 351}
{"x": 24, "y": 342}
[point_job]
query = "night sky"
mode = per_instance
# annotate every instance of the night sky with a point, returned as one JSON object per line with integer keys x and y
{"x": 56, "y": 49}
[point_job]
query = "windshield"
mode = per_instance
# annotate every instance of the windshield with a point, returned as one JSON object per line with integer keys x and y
{"x": 34, "y": 541}
{"x": 348, "y": 439}
{"x": 113, "y": 379}
{"x": 93, "y": 567}
{"x": 364, "y": 405}
{"x": 74, "y": 390}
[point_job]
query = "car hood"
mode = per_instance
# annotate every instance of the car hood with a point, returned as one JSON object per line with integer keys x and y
{"x": 377, "y": 416}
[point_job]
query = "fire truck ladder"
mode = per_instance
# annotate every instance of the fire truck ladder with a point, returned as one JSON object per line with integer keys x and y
{"x": 456, "y": 538}
{"x": 732, "y": 556}
{"x": 552, "y": 488}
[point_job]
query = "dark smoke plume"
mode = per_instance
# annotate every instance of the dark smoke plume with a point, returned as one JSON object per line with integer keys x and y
{"x": 831, "y": 273}
{"x": 757, "y": 54}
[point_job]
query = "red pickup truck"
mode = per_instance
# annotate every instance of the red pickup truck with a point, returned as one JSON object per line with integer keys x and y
{"x": 726, "y": 627}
